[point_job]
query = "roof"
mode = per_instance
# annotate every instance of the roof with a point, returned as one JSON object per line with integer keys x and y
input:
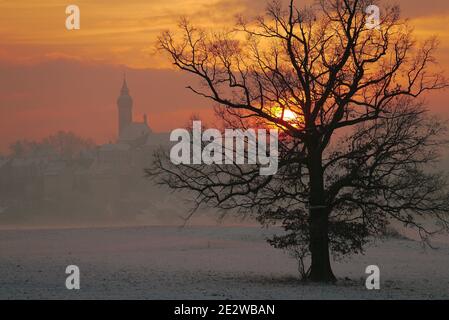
{"x": 134, "y": 131}
{"x": 114, "y": 147}
{"x": 158, "y": 139}
{"x": 3, "y": 161}
{"x": 54, "y": 168}
{"x": 25, "y": 162}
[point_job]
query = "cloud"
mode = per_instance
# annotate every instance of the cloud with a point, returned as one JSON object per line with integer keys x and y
{"x": 122, "y": 32}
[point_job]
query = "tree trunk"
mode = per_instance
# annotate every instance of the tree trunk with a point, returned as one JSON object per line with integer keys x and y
{"x": 320, "y": 270}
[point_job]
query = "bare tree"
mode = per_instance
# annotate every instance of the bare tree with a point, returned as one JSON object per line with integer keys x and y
{"x": 355, "y": 154}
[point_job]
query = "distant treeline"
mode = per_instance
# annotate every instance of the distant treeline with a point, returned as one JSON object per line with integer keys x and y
{"x": 65, "y": 145}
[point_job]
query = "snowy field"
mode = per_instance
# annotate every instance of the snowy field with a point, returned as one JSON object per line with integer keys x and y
{"x": 202, "y": 263}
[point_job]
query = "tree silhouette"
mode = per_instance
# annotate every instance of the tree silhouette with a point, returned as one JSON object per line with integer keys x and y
{"x": 66, "y": 145}
{"x": 356, "y": 155}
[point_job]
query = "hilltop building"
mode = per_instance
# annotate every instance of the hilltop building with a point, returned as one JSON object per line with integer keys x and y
{"x": 129, "y": 131}
{"x": 108, "y": 179}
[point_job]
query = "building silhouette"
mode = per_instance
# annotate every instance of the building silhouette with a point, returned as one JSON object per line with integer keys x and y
{"x": 108, "y": 179}
{"x": 128, "y": 130}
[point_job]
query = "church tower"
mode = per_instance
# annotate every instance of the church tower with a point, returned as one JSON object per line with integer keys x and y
{"x": 125, "y": 108}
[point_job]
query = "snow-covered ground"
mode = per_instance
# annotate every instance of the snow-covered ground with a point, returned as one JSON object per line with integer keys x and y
{"x": 202, "y": 263}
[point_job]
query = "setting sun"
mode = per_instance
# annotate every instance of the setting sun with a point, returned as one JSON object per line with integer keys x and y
{"x": 290, "y": 116}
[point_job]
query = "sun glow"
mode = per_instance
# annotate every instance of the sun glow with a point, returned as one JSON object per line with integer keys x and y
{"x": 291, "y": 117}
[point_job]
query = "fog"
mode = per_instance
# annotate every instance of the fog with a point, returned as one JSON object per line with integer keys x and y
{"x": 41, "y": 186}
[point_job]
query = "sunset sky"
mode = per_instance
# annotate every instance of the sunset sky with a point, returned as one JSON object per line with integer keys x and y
{"x": 52, "y": 78}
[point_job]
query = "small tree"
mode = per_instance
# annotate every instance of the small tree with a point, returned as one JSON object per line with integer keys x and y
{"x": 352, "y": 158}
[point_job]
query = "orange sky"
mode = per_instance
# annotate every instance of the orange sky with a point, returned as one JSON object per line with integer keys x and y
{"x": 112, "y": 31}
{"x": 52, "y": 79}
